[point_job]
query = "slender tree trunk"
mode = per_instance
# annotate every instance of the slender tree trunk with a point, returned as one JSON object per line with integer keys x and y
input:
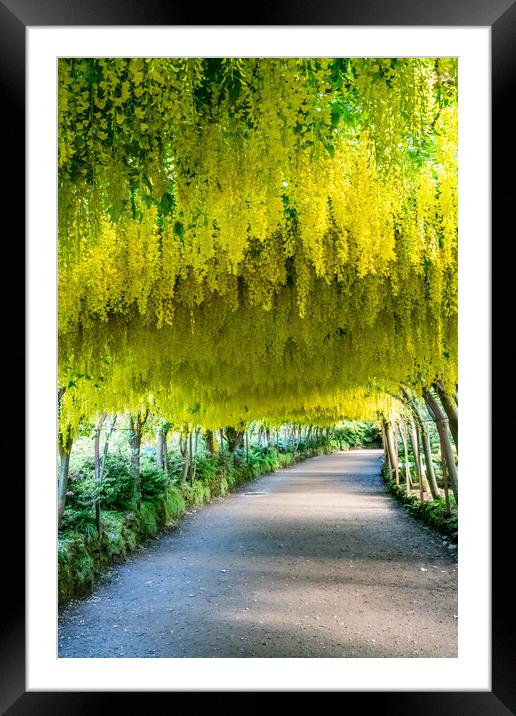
{"x": 250, "y": 432}
{"x": 390, "y": 448}
{"x": 210, "y": 443}
{"x": 386, "y": 458}
{"x": 64, "y": 445}
{"x": 190, "y": 458}
{"x": 194, "y": 458}
{"x": 396, "y": 450}
{"x": 417, "y": 442}
{"x": 416, "y": 449}
{"x": 135, "y": 441}
{"x": 97, "y": 466}
{"x": 62, "y": 485}
{"x": 446, "y": 448}
{"x": 160, "y": 450}
{"x": 387, "y": 449}
{"x": 246, "y": 446}
{"x": 106, "y": 448}
{"x": 408, "y": 481}
{"x": 183, "y": 449}
{"x": 429, "y": 464}
{"x": 445, "y": 484}
{"x": 451, "y": 410}
{"x": 412, "y": 435}
{"x": 417, "y": 461}
{"x": 165, "y": 459}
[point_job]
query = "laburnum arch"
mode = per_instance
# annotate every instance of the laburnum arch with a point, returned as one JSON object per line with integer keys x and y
{"x": 253, "y": 238}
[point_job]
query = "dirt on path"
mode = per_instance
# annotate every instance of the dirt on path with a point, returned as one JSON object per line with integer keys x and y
{"x": 314, "y": 561}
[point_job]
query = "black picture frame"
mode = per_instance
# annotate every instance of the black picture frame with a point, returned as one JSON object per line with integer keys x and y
{"x": 500, "y": 16}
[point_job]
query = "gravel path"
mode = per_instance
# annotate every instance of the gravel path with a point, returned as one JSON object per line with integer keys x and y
{"x": 314, "y": 561}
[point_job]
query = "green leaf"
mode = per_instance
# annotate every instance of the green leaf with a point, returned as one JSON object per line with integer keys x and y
{"x": 335, "y": 115}
{"x": 166, "y": 203}
{"x": 179, "y": 230}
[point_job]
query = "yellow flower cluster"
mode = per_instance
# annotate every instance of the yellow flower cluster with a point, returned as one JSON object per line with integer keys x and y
{"x": 256, "y": 238}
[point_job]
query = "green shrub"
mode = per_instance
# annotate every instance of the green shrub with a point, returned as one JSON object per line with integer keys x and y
{"x": 76, "y": 567}
{"x": 79, "y": 520}
{"x": 153, "y": 479}
{"x": 197, "y": 494}
{"x": 174, "y": 504}
{"x": 117, "y": 489}
{"x": 131, "y": 531}
{"x": 357, "y": 433}
{"x": 113, "y": 535}
{"x": 148, "y": 519}
{"x": 207, "y": 467}
{"x": 83, "y": 490}
{"x": 285, "y": 459}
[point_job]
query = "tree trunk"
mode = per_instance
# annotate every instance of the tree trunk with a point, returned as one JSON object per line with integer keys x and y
{"x": 234, "y": 438}
{"x": 408, "y": 482}
{"x": 446, "y": 448}
{"x": 62, "y": 485}
{"x": 97, "y": 466}
{"x": 160, "y": 450}
{"x": 210, "y": 443}
{"x": 390, "y": 448}
{"x": 194, "y": 457}
{"x": 445, "y": 486}
{"x": 396, "y": 450}
{"x": 106, "y": 447}
{"x": 416, "y": 441}
{"x": 183, "y": 449}
{"x": 451, "y": 410}
{"x": 135, "y": 441}
{"x": 386, "y": 449}
{"x": 429, "y": 464}
{"x": 190, "y": 457}
{"x": 416, "y": 449}
{"x": 165, "y": 459}
{"x": 386, "y": 458}
{"x": 64, "y": 445}
{"x": 417, "y": 461}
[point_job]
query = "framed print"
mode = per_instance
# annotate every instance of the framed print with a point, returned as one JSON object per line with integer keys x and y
{"x": 33, "y": 36}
